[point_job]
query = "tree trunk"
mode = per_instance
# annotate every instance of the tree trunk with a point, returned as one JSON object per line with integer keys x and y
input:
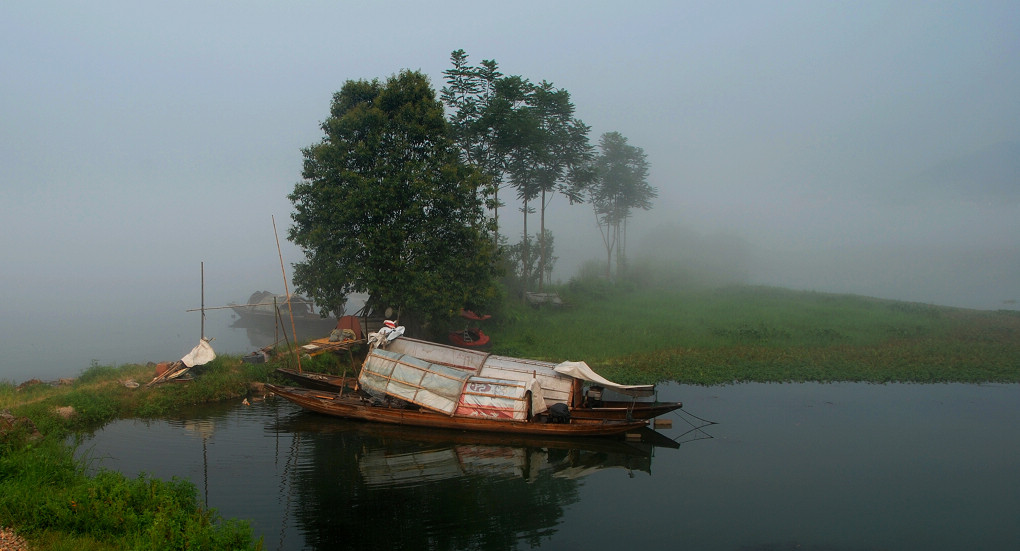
{"x": 525, "y": 260}
{"x": 541, "y": 246}
{"x": 495, "y": 215}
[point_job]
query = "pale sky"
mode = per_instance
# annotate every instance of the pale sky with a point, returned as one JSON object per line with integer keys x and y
{"x": 138, "y": 139}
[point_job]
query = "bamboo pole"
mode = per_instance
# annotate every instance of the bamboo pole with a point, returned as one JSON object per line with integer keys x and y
{"x": 203, "y": 300}
{"x": 279, "y": 320}
{"x": 286, "y": 287}
{"x": 232, "y": 306}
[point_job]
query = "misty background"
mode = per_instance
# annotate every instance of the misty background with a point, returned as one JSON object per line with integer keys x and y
{"x": 865, "y": 147}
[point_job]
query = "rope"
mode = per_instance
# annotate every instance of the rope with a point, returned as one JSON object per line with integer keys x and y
{"x": 694, "y": 428}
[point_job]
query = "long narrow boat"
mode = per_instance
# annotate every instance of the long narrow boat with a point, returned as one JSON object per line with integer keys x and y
{"x": 319, "y": 381}
{"x": 590, "y": 409}
{"x": 358, "y": 406}
{"x": 557, "y": 387}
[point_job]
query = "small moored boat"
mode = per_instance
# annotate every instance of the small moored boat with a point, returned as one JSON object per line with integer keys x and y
{"x": 358, "y": 406}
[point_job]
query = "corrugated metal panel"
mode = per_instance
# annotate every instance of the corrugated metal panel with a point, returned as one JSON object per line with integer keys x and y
{"x": 556, "y": 387}
{"x": 494, "y": 398}
{"x": 429, "y": 385}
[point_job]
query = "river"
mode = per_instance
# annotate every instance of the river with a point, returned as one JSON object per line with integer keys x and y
{"x": 786, "y": 466}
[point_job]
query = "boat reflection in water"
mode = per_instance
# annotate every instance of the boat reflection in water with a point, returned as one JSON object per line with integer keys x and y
{"x": 408, "y": 455}
{"x": 372, "y": 486}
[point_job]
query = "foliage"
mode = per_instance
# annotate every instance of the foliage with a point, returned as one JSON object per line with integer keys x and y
{"x": 469, "y": 92}
{"x": 388, "y": 208}
{"x": 45, "y": 492}
{"x": 620, "y": 186}
{"x": 522, "y": 132}
{"x": 97, "y": 372}
{"x": 522, "y": 264}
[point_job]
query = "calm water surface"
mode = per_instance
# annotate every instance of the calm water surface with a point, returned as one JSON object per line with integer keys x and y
{"x": 803, "y": 466}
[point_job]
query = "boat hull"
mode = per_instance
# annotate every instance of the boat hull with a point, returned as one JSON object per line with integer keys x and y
{"x": 625, "y": 410}
{"x": 622, "y": 411}
{"x": 355, "y": 407}
{"x": 319, "y": 381}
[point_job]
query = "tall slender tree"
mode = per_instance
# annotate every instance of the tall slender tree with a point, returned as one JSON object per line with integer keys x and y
{"x": 522, "y": 134}
{"x": 563, "y": 152}
{"x": 470, "y": 92}
{"x": 620, "y": 186}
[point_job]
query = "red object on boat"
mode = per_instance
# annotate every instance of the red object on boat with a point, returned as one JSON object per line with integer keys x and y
{"x": 470, "y": 338}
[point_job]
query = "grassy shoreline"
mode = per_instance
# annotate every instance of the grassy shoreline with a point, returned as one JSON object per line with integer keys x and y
{"x": 720, "y": 336}
{"x": 756, "y": 334}
{"x": 52, "y": 500}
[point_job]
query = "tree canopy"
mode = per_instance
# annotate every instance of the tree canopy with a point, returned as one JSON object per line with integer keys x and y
{"x": 523, "y": 133}
{"x": 621, "y": 185}
{"x": 388, "y": 207}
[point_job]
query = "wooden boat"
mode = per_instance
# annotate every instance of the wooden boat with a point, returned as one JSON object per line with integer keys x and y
{"x": 561, "y": 383}
{"x": 359, "y": 406}
{"x": 319, "y": 381}
{"x": 593, "y": 402}
{"x": 619, "y": 409}
{"x": 639, "y": 442}
{"x": 262, "y": 305}
{"x": 607, "y": 410}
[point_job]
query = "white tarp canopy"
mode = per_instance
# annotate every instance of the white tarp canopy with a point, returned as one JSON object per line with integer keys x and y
{"x": 580, "y": 370}
{"x": 200, "y": 355}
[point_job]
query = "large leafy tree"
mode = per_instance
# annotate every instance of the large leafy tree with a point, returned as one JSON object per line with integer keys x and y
{"x": 620, "y": 186}
{"x": 387, "y": 207}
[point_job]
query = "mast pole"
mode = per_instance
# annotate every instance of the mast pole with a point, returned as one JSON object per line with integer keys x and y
{"x": 290, "y": 307}
{"x": 203, "y": 299}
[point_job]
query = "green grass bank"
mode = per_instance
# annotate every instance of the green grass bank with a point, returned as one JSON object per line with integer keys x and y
{"x": 760, "y": 334}
{"x": 54, "y": 500}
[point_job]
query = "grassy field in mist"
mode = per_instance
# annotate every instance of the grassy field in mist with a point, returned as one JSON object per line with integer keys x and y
{"x": 762, "y": 334}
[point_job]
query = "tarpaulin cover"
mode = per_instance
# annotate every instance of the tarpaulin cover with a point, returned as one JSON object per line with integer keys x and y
{"x": 499, "y": 398}
{"x": 439, "y": 353}
{"x": 580, "y": 370}
{"x": 429, "y": 385}
{"x": 555, "y": 387}
{"x": 200, "y": 355}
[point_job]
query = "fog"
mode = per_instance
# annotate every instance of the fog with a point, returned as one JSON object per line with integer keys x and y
{"x": 865, "y": 148}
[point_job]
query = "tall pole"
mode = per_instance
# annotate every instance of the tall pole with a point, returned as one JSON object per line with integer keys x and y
{"x": 203, "y": 300}
{"x": 290, "y": 307}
